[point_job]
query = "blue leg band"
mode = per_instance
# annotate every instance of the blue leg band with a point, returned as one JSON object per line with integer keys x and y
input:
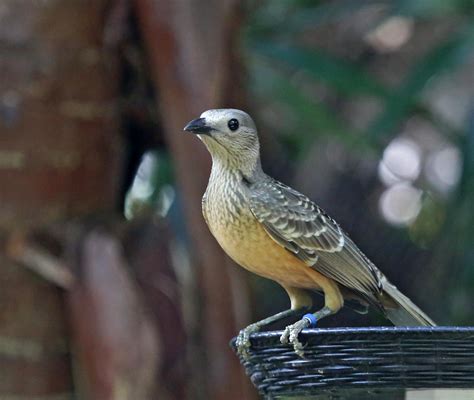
{"x": 312, "y": 319}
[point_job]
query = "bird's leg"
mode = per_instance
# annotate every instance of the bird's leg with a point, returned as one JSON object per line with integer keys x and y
{"x": 333, "y": 301}
{"x": 291, "y": 332}
{"x": 243, "y": 339}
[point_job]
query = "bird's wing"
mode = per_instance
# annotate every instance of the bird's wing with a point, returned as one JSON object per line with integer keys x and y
{"x": 299, "y": 225}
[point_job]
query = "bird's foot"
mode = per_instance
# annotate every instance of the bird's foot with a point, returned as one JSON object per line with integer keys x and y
{"x": 291, "y": 332}
{"x": 243, "y": 340}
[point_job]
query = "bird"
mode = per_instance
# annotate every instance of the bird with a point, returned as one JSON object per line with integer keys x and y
{"x": 278, "y": 233}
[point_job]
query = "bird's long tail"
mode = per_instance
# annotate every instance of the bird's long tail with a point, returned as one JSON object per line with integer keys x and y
{"x": 404, "y": 312}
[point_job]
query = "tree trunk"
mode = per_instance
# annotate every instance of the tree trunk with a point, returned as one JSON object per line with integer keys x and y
{"x": 60, "y": 157}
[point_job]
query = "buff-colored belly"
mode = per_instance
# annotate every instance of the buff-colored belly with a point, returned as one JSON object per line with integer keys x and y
{"x": 250, "y": 246}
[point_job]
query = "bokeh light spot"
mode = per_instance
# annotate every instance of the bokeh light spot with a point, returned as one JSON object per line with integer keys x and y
{"x": 443, "y": 169}
{"x": 400, "y": 204}
{"x": 401, "y": 161}
{"x": 392, "y": 34}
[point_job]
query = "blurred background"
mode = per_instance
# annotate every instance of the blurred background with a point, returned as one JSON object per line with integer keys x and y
{"x": 111, "y": 286}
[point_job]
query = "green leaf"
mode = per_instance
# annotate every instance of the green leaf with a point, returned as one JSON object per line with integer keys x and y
{"x": 466, "y": 186}
{"x": 287, "y": 18}
{"x": 432, "y": 8}
{"x": 443, "y": 58}
{"x": 312, "y": 119}
{"x": 345, "y": 77}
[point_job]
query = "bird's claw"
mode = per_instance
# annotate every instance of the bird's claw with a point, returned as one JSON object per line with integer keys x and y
{"x": 243, "y": 340}
{"x": 290, "y": 335}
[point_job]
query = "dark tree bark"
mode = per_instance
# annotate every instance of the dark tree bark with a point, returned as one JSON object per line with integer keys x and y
{"x": 60, "y": 157}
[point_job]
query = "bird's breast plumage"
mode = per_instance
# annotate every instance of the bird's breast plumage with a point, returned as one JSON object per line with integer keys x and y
{"x": 227, "y": 212}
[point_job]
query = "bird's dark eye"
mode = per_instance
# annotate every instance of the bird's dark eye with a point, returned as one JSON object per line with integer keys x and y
{"x": 233, "y": 124}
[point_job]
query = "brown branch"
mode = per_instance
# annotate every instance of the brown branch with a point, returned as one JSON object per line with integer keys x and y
{"x": 39, "y": 260}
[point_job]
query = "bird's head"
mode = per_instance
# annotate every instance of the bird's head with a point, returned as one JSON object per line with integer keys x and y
{"x": 230, "y": 136}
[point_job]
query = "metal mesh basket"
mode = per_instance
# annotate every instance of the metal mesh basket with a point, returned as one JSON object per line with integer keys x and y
{"x": 350, "y": 361}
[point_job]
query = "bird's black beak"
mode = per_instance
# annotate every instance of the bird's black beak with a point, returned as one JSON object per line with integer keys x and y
{"x": 198, "y": 126}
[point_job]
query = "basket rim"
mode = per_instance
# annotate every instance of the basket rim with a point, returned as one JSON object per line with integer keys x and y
{"x": 374, "y": 330}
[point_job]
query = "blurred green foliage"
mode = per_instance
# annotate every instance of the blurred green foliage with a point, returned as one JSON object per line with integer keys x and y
{"x": 273, "y": 41}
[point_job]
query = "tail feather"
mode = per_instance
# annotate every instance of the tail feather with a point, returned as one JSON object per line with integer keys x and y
{"x": 404, "y": 312}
